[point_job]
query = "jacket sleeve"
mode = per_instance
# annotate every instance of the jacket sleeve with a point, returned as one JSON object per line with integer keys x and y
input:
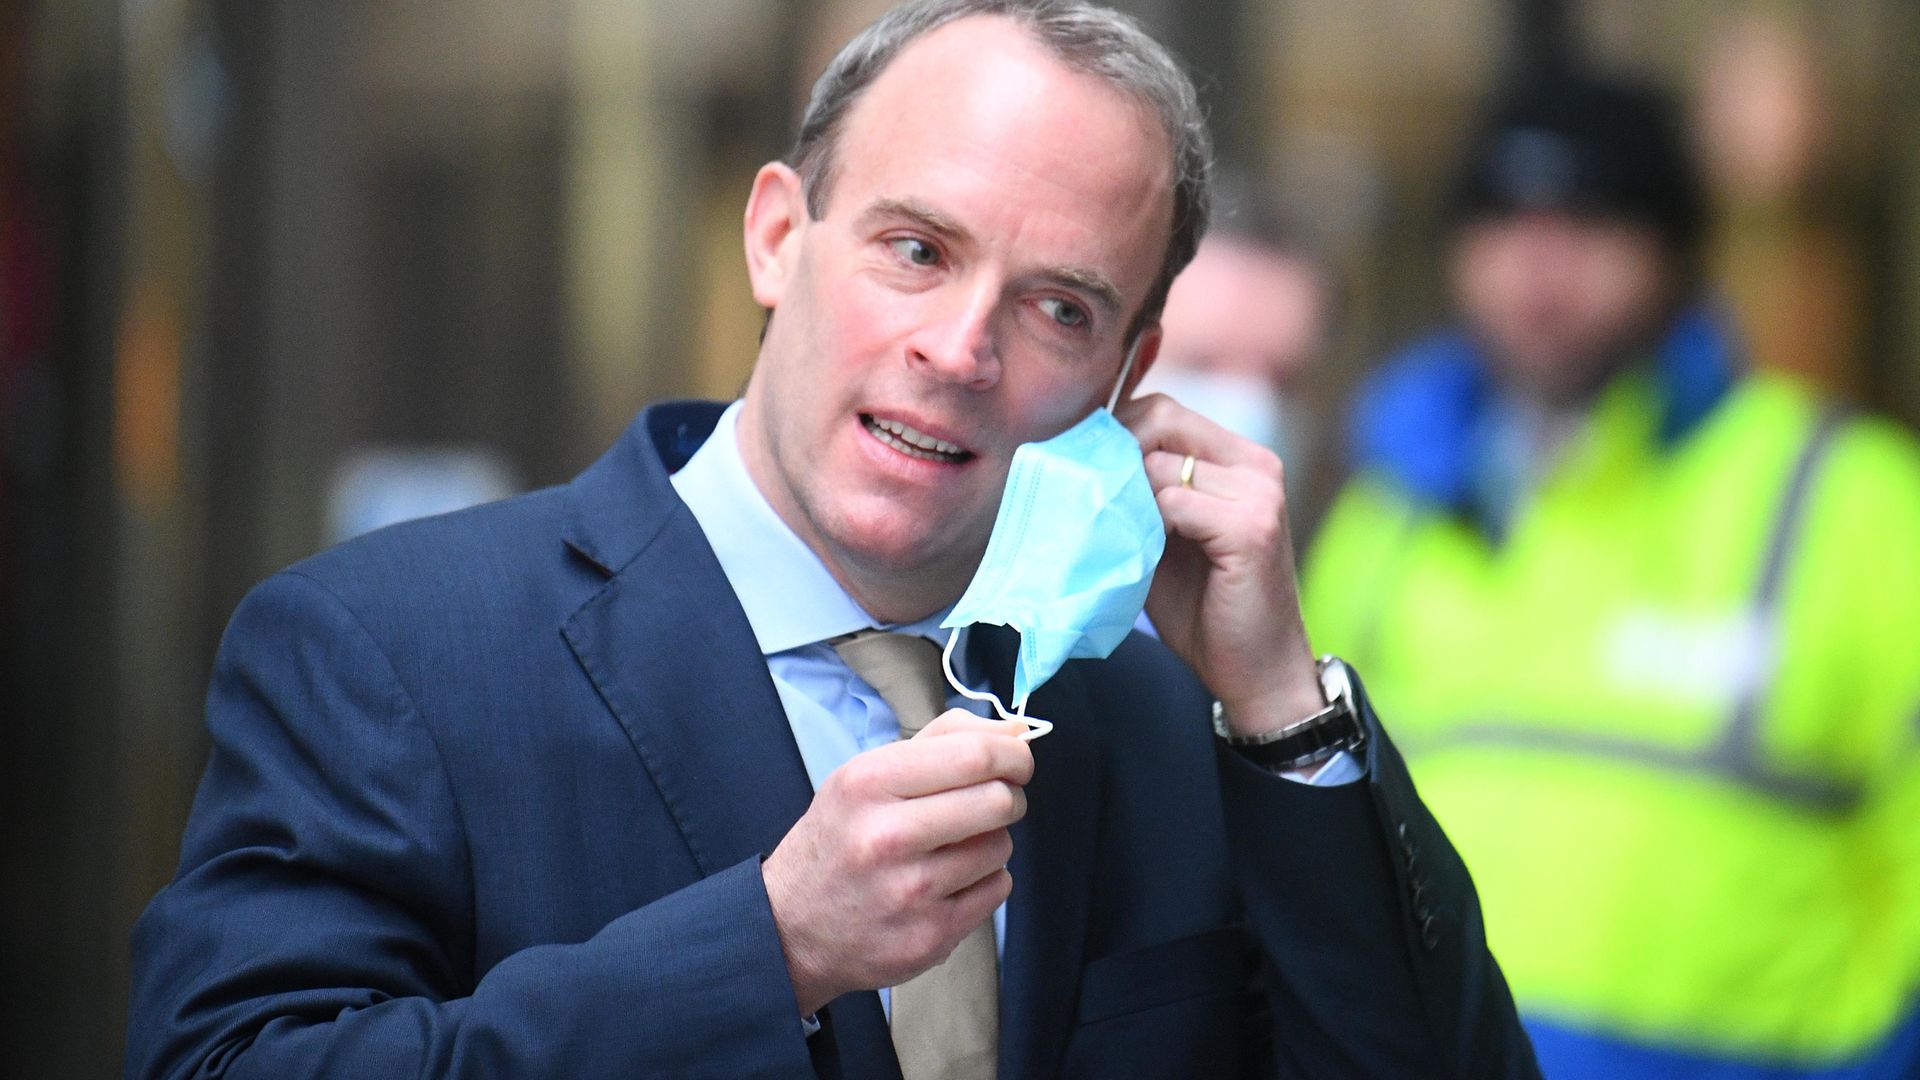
{"x": 1376, "y": 958}
{"x": 321, "y": 922}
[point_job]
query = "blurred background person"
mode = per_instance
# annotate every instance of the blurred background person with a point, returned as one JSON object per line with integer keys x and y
{"x": 1246, "y": 327}
{"x": 1781, "y": 252}
{"x": 1647, "y": 617}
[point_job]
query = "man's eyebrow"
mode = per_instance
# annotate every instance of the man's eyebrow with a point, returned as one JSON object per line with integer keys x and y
{"x": 918, "y": 212}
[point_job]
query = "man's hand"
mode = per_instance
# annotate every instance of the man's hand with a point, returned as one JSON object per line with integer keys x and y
{"x": 1224, "y": 597}
{"x": 902, "y": 854}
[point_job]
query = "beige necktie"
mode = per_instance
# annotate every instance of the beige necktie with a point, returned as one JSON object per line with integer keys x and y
{"x": 946, "y": 1020}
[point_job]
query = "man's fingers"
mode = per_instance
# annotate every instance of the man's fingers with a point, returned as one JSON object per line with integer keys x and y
{"x": 956, "y": 757}
{"x": 1222, "y": 527}
{"x": 1245, "y": 481}
{"x": 1161, "y": 423}
{"x": 953, "y": 869}
{"x": 1193, "y": 515}
{"x": 949, "y": 817}
{"x": 974, "y": 904}
{"x": 961, "y": 720}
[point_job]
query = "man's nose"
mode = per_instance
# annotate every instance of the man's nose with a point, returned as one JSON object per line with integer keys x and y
{"x": 957, "y": 344}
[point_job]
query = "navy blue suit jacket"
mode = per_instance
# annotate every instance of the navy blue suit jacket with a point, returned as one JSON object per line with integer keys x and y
{"x": 489, "y": 795}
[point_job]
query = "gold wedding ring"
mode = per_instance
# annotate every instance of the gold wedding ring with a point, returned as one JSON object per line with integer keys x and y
{"x": 1186, "y": 472}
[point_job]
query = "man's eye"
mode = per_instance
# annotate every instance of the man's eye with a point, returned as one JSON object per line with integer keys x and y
{"x": 916, "y": 251}
{"x": 1065, "y": 312}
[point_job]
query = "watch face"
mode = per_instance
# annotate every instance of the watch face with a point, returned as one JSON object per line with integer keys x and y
{"x": 1336, "y": 681}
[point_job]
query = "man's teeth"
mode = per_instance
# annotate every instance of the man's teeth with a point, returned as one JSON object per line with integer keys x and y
{"x": 911, "y": 442}
{"x": 923, "y": 441}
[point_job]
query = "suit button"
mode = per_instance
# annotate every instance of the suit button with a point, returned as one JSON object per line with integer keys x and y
{"x": 1429, "y": 933}
{"x": 1420, "y": 893}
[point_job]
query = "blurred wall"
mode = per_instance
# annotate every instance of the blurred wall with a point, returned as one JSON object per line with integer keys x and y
{"x": 247, "y": 245}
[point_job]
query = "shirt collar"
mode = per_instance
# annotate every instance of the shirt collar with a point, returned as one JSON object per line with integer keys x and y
{"x": 790, "y": 597}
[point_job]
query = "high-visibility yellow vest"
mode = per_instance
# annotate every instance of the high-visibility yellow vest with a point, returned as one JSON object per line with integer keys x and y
{"x": 1671, "y": 719}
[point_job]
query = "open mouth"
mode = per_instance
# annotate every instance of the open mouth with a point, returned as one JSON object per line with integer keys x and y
{"x": 914, "y": 444}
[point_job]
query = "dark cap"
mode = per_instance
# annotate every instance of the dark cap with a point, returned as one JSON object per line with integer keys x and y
{"x": 1585, "y": 145}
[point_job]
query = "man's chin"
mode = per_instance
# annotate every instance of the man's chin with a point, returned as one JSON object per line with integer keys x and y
{"x": 1562, "y": 378}
{"x": 918, "y": 559}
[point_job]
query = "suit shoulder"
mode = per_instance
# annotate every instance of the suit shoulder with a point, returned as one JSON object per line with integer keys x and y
{"x": 499, "y": 559}
{"x": 410, "y": 548}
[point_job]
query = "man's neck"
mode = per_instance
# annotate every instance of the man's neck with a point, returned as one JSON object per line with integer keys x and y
{"x": 895, "y": 598}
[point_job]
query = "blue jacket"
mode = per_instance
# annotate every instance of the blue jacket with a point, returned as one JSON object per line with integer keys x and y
{"x": 489, "y": 795}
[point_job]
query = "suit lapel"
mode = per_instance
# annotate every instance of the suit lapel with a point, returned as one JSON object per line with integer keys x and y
{"x": 672, "y": 655}
{"x": 1052, "y": 867}
{"x": 674, "y": 658}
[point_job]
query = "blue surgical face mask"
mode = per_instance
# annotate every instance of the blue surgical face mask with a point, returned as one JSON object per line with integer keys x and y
{"x": 1071, "y": 556}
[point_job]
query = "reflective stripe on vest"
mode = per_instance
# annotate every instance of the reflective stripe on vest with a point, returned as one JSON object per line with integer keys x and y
{"x": 1733, "y": 756}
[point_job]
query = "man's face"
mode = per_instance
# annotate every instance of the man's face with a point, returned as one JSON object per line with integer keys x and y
{"x": 1560, "y": 300}
{"x": 1244, "y": 309}
{"x": 994, "y": 224}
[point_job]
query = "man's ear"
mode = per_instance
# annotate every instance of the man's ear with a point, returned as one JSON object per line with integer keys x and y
{"x": 776, "y": 215}
{"x": 1145, "y": 353}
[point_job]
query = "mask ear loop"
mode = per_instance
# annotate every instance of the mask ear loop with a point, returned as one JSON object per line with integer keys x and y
{"x": 1126, "y": 368}
{"x": 1036, "y": 727}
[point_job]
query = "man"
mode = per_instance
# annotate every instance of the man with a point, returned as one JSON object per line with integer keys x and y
{"x": 584, "y": 784}
{"x": 1646, "y": 623}
{"x": 1244, "y": 326}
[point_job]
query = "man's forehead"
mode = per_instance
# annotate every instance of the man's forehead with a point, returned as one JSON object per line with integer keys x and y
{"x": 983, "y": 68}
{"x": 982, "y": 99}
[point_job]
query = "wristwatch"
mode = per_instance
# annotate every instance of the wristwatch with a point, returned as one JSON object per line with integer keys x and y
{"x": 1307, "y": 742}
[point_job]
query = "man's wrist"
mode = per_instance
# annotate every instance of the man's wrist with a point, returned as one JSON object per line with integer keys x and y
{"x": 1298, "y": 699}
{"x": 1310, "y": 740}
{"x": 810, "y": 993}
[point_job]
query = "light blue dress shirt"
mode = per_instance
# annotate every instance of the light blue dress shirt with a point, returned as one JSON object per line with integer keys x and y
{"x": 794, "y": 606}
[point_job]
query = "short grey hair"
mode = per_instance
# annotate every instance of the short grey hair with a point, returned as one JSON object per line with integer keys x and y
{"x": 1088, "y": 38}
